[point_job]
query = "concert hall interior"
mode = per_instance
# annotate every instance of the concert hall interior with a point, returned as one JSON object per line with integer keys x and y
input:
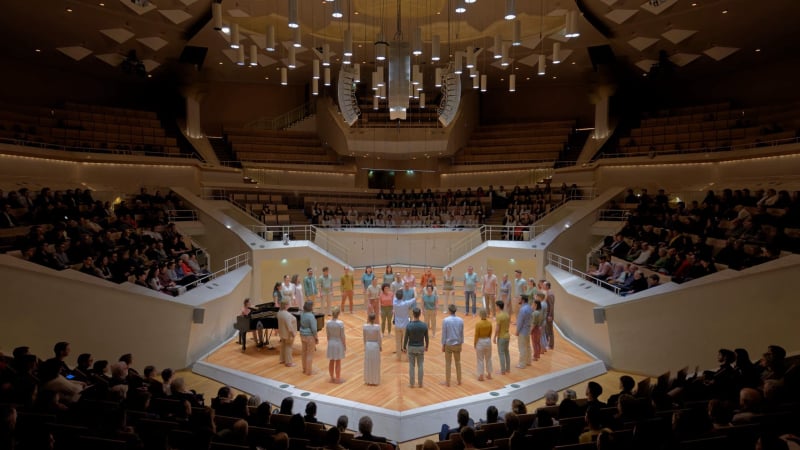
{"x": 161, "y": 161}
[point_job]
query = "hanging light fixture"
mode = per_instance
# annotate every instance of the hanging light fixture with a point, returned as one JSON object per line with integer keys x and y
{"x": 457, "y": 65}
{"x": 470, "y": 57}
{"x": 437, "y": 77}
{"x": 380, "y": 46}
{"x": 461, "y": 7}
{"x": 476, "y": 81}
{"x": 473, "y": 73}
{"x": 284, "y": 76}
{"x": 498, "y": 45}
{"x": 314, "y": 87}
{"x": 292, "y": 58}
{"x": 326, "y": 55}
{"x": 293, "y": 23}
{"x": 512, "y": 83}
{"x": 253, "y": 55}
{"x": 511, "y": 10}
{"x": 541, "y": 66}
{"x": 375, "y": 80}
{"x": 216, "y": 13}
{"x": 436, "y": 45}
{"x": 556, "y": 52}
{"x": 517, "y": 39}
{"x": 504, "y": 61}
{"x": 270, "y": 38}
{"x": 483, "y": 82}
{"x": 422, "y": 100}
{"x": 375, "y": 102}
{"x": 297, "y": 37}
{"x": 327, "y": 80}
{"x": 315, "y": 69}
{"x": 348, "y": 43}
{"x": 235, "y": 35}
{"x": 240, "y": 56}
{"x": 357, "y": 73}
{"x": 337, "y": 10}
{"x": 416, "y": 75}
{"x": 572, "y": 25}
{"x": 379, "y": 73}
{"x": 416, "y": 42}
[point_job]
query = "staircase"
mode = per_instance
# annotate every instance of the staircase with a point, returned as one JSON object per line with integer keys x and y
{"x": 573, "y": 148}
{"x": 308, "y": 123}
{"x": 224, "y": 153}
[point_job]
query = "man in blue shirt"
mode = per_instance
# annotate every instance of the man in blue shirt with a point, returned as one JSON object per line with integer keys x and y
{"x": 452, "y": 339}
{"x": 402, "y": 307}
{"x": 310, "y": 285}
{"x": 523, "y": 332}
{"x": 470, "y": 286}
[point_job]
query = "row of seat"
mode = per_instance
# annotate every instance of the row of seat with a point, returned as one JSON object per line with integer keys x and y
{"x": 760, "y": 140}
{"x": 111, "y": 110}
{"x": 727, "y": 113}
{"x": 506, "y": 158}
{"x": 510, "y": 149}
{"x": 273, "y": 157}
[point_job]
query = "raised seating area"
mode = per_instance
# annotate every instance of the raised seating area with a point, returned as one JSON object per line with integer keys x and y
{"x": 90, "y": 127}
{"x": 515, "y": 143}
{"x": 293, "y": 147}
{"x": 415, "y": 118}
{"x": 713, "y": 127}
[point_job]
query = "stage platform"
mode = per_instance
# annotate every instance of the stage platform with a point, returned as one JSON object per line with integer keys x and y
{"x": 398, "y": 412}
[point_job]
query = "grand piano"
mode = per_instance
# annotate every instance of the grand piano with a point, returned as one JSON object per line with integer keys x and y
{"x": 265, "y": 317}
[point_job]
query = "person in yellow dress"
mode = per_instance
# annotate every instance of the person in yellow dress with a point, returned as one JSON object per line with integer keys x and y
{"x": 483, "y": 345}
{"x": 346, "y": 285}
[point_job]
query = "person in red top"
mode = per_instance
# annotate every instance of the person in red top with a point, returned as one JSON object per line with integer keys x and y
{"x": 386, "y": 299}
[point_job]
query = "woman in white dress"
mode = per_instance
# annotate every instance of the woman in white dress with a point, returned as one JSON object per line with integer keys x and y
{"x": 336, "y": 345}
{"x": 372, "y": 351}
{"x": 287, "y": 290}
{"x": 297, "y": 297}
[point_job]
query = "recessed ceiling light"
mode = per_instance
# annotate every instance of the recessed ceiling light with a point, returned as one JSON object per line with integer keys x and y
{"x": 69, "y": 9}
{"x": 554, "y": 77}
{"x": 149, "y": 75}
{"x": 267, "y": 77}
{"x": 724, "y": 11}
{"x": 528, "y": 78}
{"x": 757, "y": 50}
{"x": 644, "y": 74}
{"x": 102, "y": 4}
{"x": 356, "y": 13}
{"x": 438, "y": 13}
{"x": 694, "y": 4}
{"x": 359, "y": 45}
{"x": 220, "y": 63}
{"x": 573, "y": 63}
{"x": 40, "y": 51}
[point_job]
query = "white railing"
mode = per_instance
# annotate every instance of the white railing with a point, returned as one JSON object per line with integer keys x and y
{"x": 181, "y": 215}
{"x": 613, "y": 215}
{"x": 567, "y": 265}
{"x": 494, "y": 233}
{"x": 288, "y": 233}
{"x": 229, "y": 265}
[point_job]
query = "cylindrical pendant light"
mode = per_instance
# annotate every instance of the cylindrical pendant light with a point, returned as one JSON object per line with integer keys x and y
{"x": 216, "y": 13}
{"x": 542, "y": 62}
{"x": 504, "y": 61}
{"x": 572, "y": 25}
{"x": 436, "y": 45}
{"x": 270, "y": 38}
{"x": 415, "y": 74}
{"x": 498, "y": 46}
{"x": 512, "y": 83}
{"x": 379, "y": 74}
{"x": 293, "y": 23}
{"x": 253, "y": 55}
{"x": 240, "y": 56}
{"x": 337, "y": 9}
{"x": 326, "y": 55}
{"x": 416, "y": 42}
{"x": 235, "y": 35}
{"x": 476, "y": 82}
{"x": 380, "y": 46}
{"x": 483, "y": 82}
{"x": 327, "y": 80}
{"x": 375, "y": 102}
{"x": 297, "y": 37}
{"x": 457, "y": 66}
{"x": 437, "y": 75}
{"x": 292, "y": 59}
{"x": 422, "y": 100}
{"x": 382, "y": 90}
{"x": 411, "y": 91}
{"x": 473, "y": 73}
{"x": 557, "y": 53}
{"x": 470, "y": 57}
{"x": 357, "y": 72}
{"x": 348, "y": 43}
{"x": 315, "y": 87}
{"x": 461, "y": 7}
{"x": 517, "y": 40}
{"x": 375, "y": 80}
{"x": 315, "y": 69}
{"x": 284, "y": 76}
{"x": 511, "y": 10}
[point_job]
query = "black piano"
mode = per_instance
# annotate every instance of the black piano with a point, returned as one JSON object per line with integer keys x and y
{"x": 265, "y": 317}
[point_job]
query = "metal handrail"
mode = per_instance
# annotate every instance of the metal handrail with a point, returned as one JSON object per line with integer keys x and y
{"x": 493, "y": 233}
{"x": 105, "y": 151}
{"x": 181, "y": 215}
{"x": 567, "y": 265}
{"x": 309, "y": 233}
{"x": 613, "y": 215}
{"x": 284, "y": 120}
{"x": 229, "y": 265}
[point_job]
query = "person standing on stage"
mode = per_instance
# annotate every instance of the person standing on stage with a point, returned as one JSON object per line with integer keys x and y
{"x": 430, "y": 303}
{"x": 428, "y": 278}
{"x": 409, "y": 293}
{"x": 523, "y": 332}
{"x": 415, "y": 343}
{"x": 550, "y": 298}
{"x": 298, "y": 299}
{"x": 402, "y": 308}
{"x": 372, "y": 351}
{"x": 308, "y": 335}
{"x": 366, "y": 282}
{"x": 502, "y": 336}
{"x": 346, "y": 283}
{"x": 287, "y": 290}
{"x": 310, "y": 285}
{"x": 504, "y": 290}
{"x": 518, "y": 288}
{"x": 448, "y": 287}
{"x": 388, "y": 275}
{"x": 337, "y": 346}
{"x": 470, "y": 286}
{"x": 537, "y": 322}
{"x": 452, "y": 340}
{"x": 483, "y": 345}
{"x": 386, "y": 299}
{"x": 325, "y": 283}
{"x": 287, "y": 327}
{"x": 490, "y": 286}
{"x": 373, "y": 293}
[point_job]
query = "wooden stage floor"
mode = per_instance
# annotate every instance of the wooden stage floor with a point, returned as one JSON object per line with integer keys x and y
{"x": 393, "y": 393}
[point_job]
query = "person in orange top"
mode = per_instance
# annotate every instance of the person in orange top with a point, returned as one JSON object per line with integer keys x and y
{"x": 483, "y": 345}
{"x": 346, "y": 284}
{"x": 428, "y": 278}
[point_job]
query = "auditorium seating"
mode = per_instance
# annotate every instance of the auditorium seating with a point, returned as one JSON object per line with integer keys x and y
{"x": 516, "y": 143}
{"x": 713, "y": 127}
{"x": 77, "y": 126}
{"x": 267, "y": 146}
